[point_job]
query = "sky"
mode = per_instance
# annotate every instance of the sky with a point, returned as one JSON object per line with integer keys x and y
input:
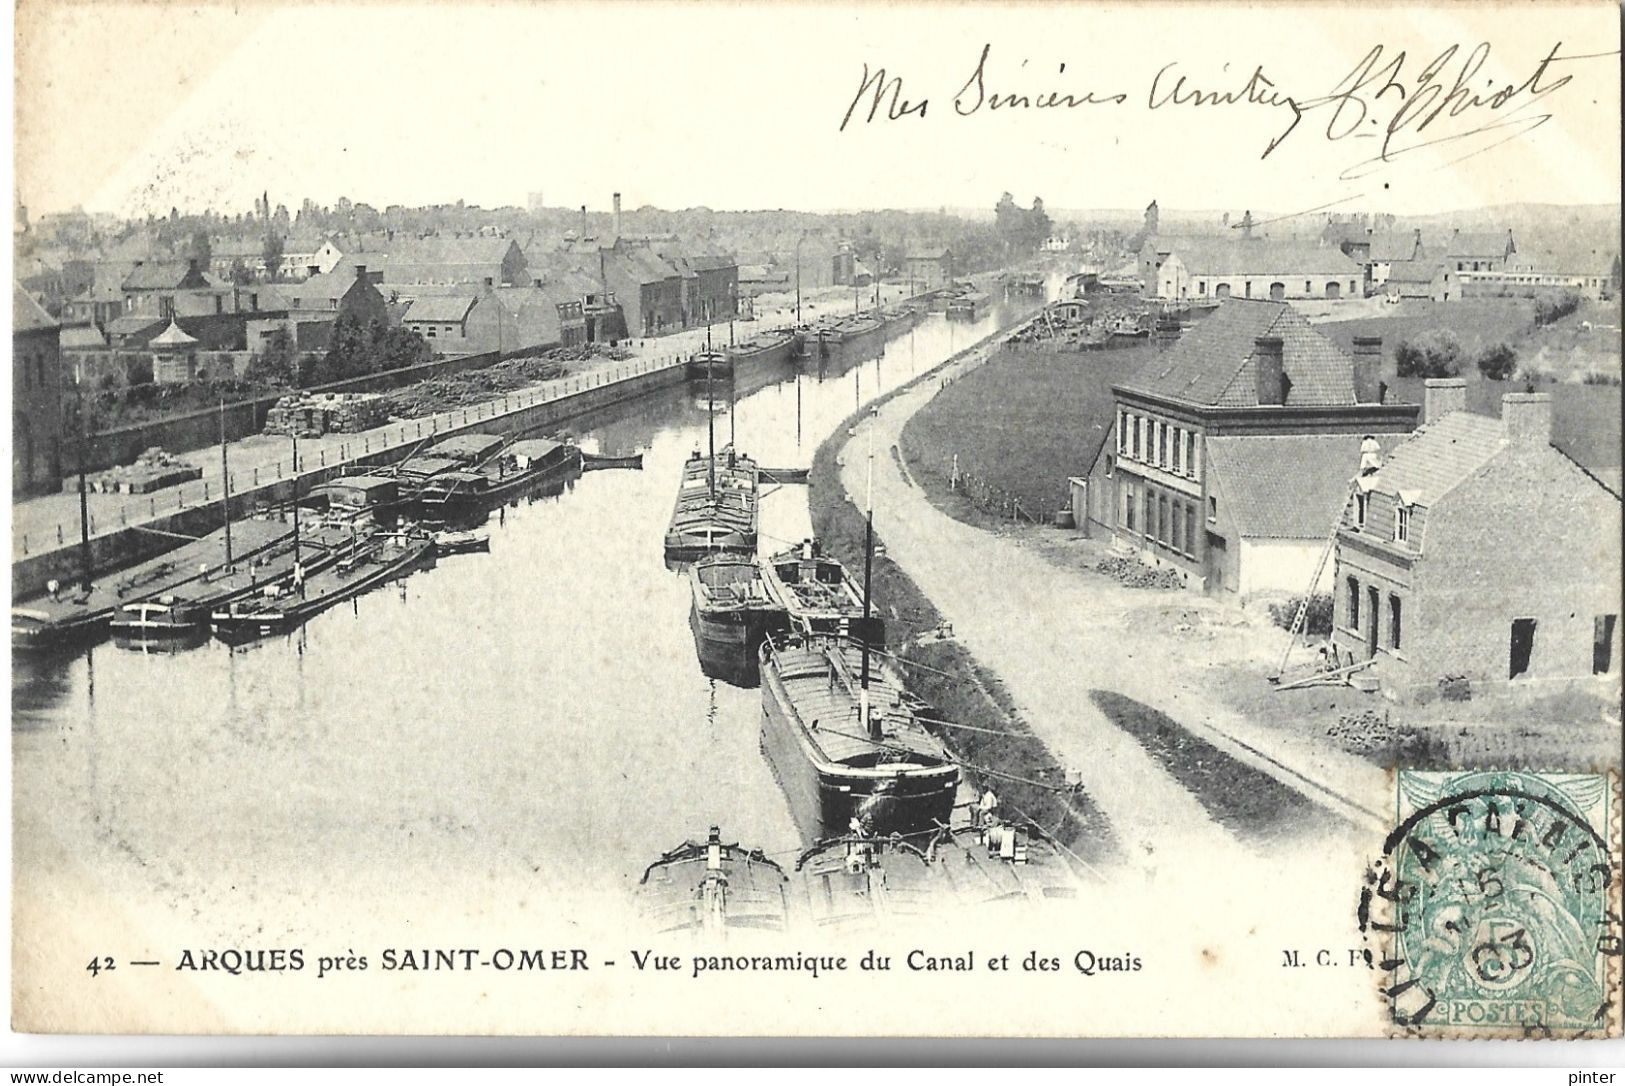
{"x": 137, "y": 107}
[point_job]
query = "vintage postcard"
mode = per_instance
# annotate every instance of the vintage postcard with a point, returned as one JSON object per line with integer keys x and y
{"x": 1035, "y": 520}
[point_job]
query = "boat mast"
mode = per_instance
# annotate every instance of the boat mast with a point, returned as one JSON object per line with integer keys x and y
{"x": 84, "y": 501}
{"x": 710, "y": 433}
{"x": 869, "y": 724}
{"x": 225, "y": 479}
{"x": 298, "y": 573}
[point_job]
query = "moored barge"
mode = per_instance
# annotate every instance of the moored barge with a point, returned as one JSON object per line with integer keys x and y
{"x": 456, "y": 494}
{"x": 849, "y": 753}
{"x": 716, "y": 507}
{"x": 711, "y": 886}
{"x": 819, "y": 596}
{"x": 733, "y": 613}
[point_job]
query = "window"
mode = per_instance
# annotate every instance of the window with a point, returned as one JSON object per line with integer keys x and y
{"x": 1122, "y": 430}
{"x": 1162, "y": 520}
{"x": 1307, "y": 289}
{"x": 1162, "y": 444}
{"x": 1602, "y": 644}
{"x": 1360, "y": 503}
{"x": 1190, "y": 455}
{"x": 1129, "y": 501}
{"x": 1177, "y": 535}
{"x": 1522, "y": 647}
{"x": 1394, "y": 622}
{"x": 1247, "y": 288}
{"x": 1201, "y": 287}
{"x": 1212, "y": 508}
{"x": 1354, "y": 604}
{"x": 1402, "y": 524}
{"x": 1150, "y": 515}
{"x": 1190, "y": 530}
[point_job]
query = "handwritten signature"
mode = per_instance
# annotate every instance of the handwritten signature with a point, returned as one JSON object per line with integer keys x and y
{"x": 1386, "y": 97}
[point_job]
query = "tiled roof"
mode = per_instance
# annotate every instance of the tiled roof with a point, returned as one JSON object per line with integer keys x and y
{"x": 81, "y": 335}
{"x": 1285, "y": 486}
{"x": 1223, "y": 256}
{"x": 1483, "y": 246}
{"x": 26, "y": 313}
{"x": 1413, "y": 271}
{"x": 1438, "y": 456}
{"x": 1389, "y": 247}
{"x": 1212, "y": 364}
{"x": 450, "y": 308}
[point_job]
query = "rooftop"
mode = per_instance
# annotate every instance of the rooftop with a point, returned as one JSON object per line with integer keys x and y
{"x": 1212, "y": 364}
{"x": 1286, "y": 486}
{"x": 449, "y": 308}
{"x": 1226, "y": 256}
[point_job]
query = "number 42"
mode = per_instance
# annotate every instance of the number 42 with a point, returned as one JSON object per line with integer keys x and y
{"x": 98, "y": 964}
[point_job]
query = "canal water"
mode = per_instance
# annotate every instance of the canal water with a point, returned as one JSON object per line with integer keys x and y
{"x": 532, "y": 721}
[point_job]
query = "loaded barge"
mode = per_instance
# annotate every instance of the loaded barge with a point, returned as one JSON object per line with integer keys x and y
{"x": 847, "y": 743}
{"x": 817, "y": 594}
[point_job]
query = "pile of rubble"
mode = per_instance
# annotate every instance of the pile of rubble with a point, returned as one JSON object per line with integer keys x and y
{"x": 306, "y": 414}
{"x": 477, "y": 386}
{"x": 154, "y": 469}
{"x": 1136, "y": 574}
{"x": 1363, "y": 732}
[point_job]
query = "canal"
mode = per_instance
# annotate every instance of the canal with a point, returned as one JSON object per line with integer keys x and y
{"x": 527, "y": 723}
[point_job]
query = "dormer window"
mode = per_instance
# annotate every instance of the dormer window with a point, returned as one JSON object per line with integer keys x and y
{"x": 1361, "y": 502}
{"x": 1402, "y": 524}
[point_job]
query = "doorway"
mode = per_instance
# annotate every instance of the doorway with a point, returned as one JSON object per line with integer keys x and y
{"x": 1523, "y": 646}
{"x": 1222, "y": 290}
{"x": 1277, "y": 292}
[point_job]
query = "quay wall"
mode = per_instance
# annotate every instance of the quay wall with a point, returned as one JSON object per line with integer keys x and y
{"x": 133, "y": 543}
{"x": 198, "y": 429}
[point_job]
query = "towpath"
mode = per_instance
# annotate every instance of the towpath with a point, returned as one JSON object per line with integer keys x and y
{"x": 1056, "y": 637}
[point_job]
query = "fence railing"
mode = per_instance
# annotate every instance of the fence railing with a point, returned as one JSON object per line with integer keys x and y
{"x": 989, "y": 497}
{"x": 134, "y": 509}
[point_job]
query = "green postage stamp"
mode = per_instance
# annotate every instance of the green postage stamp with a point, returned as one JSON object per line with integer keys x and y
{"x": 1494, "y": 909}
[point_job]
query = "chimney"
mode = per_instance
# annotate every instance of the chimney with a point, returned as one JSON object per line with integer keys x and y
{"x": 617, "y": 214}
{"x": 1442, "y": 395}
{"x": 1269, "y": 370}
{"x": 1167, "y": 333}
{"x": 1527, "y": 417}
{"x": 536, "y": 281}
{"x": 361, "y": 272}
{"x": 583, "y": 222}
{"x": 191, "y": 264}
{"x": 1367, "y": 369}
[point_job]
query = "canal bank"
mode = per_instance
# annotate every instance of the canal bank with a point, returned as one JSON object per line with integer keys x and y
{"x": 196, "y": 509}
{"x": 1017, "y": 765}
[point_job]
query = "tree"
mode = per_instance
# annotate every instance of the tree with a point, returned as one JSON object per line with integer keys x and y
{"x": 273, "y": 256}
{"x": 241, "y": 273}
{"x": 1434, "y": 353}
{"x": 274, "y": 365}
{"x": 1499, "y": 362}
{"x": 1039, "y": 225}
{"x": 200, "y": 249}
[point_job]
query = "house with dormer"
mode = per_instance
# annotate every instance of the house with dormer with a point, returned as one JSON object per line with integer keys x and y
{"x": 1478, "y": 554}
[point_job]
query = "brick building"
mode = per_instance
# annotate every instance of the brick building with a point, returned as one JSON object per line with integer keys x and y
{"x": 1479, "y": 252}
{"x": 36, "y": 397}
{"x": 932, "y": 269}
{"x": 1479, "y": 551}
{"x": 1231, "y": 453}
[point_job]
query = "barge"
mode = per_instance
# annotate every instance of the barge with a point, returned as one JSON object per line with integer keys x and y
{"x": 733, "y": 613}
{"x": 847, "y": 742}
{"x": 710, "y": 886}
{"x": 817, "y": 595}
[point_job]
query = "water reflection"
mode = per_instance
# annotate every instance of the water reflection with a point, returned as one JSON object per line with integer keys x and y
{"x": 536, "y": 711}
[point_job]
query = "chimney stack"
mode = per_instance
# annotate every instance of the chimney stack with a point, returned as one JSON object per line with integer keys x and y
{"x": 191, "y": 264}
{"x": 1527, "y": 417}
{"x": 1442, "y": 395}
{"x": 1269, "y": 370}
{"x": 583, "y": 222}
{"x": 1167, "y": 333}
{"x": 1367, "y": 369}
{"x": 617, "y": 214}
{"x": 361, "y": 272}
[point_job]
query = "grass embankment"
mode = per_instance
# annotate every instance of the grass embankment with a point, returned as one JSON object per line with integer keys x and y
{"x": 957, "y": 687}
{"x": 1248, "y": 802}
{"x": 1021, "y": 424}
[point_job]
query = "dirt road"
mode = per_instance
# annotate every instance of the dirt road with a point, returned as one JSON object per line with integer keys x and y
{"x": 1058, "y": 639}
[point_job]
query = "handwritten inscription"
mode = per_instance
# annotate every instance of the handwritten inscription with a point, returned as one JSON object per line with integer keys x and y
{"x": 1404, "y": 105}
